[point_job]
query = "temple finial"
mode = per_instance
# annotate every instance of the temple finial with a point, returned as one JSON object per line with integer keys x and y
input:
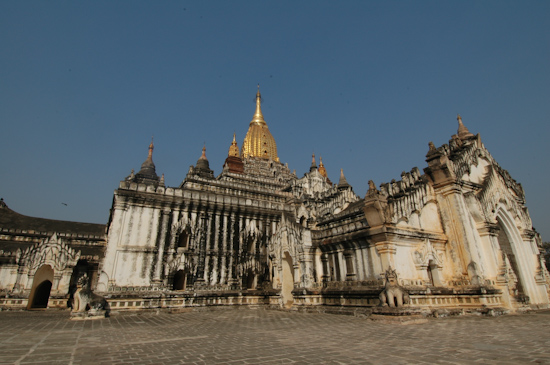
{"x": 234, "y": 148}
{"x": 463, "y": 132}
{"x": 147, "y": 173}
{"x": 313, "y": 163}
{"x": 151, "y": 147}
{"x": 258, "y": 116}
{"x": 203, "y": 156}
{"x": 322, "y": 170}
{"x": 342, "y": 183}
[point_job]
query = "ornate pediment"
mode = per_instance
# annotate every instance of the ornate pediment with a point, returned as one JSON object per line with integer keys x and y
{"x": 424, "y": 254}
{"x": 51, "y": 251}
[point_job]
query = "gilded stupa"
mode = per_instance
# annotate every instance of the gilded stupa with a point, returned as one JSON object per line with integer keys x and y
{"x": 258, "y": 141}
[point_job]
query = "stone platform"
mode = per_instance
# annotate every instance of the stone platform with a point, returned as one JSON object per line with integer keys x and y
{"x": 248, "y": 336}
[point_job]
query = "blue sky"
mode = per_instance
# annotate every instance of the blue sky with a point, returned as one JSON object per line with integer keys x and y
{"x": 366, "y": 85}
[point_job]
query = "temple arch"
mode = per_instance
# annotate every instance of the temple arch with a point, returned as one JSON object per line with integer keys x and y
{"x": 510, "y": 242}
{"x": 287, "y": 280}
{"x": 41, "y": 287}
{"x": 180, "y": 280}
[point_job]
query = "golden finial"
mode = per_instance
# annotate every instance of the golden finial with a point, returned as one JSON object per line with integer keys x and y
{"x": 203, "y": 156}
{"x": 234, "y": 149}
{"x": 258, "y": 116}
{"x": 322, "y": 169}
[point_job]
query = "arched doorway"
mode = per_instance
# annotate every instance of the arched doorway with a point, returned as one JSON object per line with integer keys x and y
{"x": 433, "y": 274}
{"x": 507, "y": 245}
{"x": 288, "y": 280}
{"x": 249, "y": 280}
{"x": 41, "y": 287}
{"x": 180, "y": 280}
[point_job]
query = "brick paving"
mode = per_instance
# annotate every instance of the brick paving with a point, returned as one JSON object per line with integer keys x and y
{"x": 249, "y": 336}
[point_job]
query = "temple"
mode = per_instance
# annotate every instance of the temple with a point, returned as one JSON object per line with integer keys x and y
{"x": 455, "y": 235}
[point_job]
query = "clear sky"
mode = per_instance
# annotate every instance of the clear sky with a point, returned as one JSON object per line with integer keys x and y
{"x": 366, "y": 85}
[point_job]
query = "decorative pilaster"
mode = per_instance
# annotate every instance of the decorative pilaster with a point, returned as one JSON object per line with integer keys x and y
{"x": 165, "y": 218}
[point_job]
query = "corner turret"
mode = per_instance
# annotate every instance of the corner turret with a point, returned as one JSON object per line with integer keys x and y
{"x": 343, "y": 183}
{"x": 233, "y": 162}
{"x": 202, "y": 168}
{"x": 147, "y": 174}
{"x": 313, "y": 166}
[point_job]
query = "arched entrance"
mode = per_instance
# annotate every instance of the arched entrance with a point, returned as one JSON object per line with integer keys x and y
{"x": 41, "y": 287}
{"x": 249, "y": 279}
{"x": 507, "y": 245}
{"x": 288, "y": 280}
{"x": 180, "y": 280}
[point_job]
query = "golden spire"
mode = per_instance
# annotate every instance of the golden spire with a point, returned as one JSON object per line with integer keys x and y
{"x": 322, "y": 169}
{"x": 258, "y": 141}
{"x": 234, "y": 149}
{"x": 258, "y": 116}
{"x": 203, "y": 156}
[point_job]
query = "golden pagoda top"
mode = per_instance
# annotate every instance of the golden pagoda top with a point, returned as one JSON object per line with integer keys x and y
{"x": 258, "y": 141}
{"x": 322, "y": 169}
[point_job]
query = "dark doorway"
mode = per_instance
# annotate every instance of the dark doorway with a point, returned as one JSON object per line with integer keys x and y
{"x": 180, "y": 280}
{"x": 42, "y": 295}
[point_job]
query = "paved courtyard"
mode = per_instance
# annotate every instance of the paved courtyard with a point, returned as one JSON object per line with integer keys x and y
{"x": 249, "y": 336}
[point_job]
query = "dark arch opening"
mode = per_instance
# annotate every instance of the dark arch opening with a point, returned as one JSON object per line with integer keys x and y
{"x": 42, "y": 295}
{"x": 180, "y": 280}
{"x": 183, "y": 239}
{"x": 248, "y": 280}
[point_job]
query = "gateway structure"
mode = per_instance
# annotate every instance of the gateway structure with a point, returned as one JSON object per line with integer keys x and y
{"x": 456, "y": 235}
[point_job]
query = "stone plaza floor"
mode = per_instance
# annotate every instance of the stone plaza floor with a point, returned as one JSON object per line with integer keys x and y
{"x": 248, "y": 336}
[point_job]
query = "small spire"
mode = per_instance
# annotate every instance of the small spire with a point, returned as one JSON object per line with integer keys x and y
{"x": 131, "y": 176}
{"x": 151, "y": 147}
{"x": 463, "y": 132}
{"x": 147, "y": 173}
{"x": 161, "y": 182}
{"x": 343, "y": 183}
{"x": 313, "y": 163}
{"x": 234, "y": 148}
{"x": 322, "y": 169}
{"x": 203, "y": 156}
